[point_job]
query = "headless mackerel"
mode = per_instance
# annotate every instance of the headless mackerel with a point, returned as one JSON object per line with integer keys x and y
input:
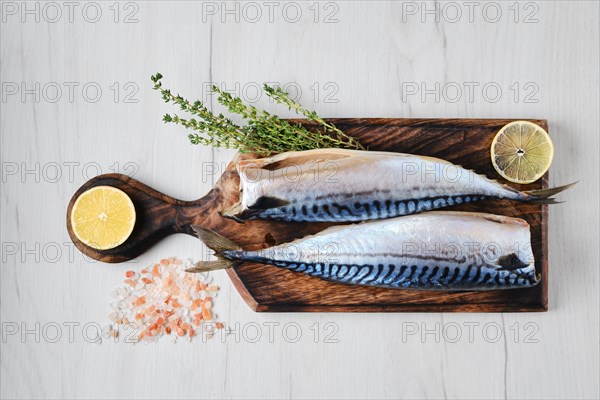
{"x": 336, "y": 185}
{"x": 431, "y": 251}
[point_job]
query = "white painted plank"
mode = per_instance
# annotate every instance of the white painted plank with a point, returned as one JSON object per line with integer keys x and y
{"x": 363, "y": 65}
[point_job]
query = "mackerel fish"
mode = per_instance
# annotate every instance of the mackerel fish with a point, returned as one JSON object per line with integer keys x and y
{"x": 439, "y": 250}
{"x": 336, "y": 185}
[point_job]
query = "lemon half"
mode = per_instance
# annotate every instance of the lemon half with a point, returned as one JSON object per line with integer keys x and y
{"x": 103, "y": 217}
{"x": 522, "y": 152}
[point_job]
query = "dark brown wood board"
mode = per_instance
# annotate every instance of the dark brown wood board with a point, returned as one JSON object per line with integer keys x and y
{"x": 464, "y": 142}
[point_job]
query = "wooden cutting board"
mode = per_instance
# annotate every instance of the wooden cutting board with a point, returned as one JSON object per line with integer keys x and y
{"x": 464, "y": 142}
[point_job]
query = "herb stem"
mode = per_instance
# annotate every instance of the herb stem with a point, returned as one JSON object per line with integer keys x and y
{"x": 264, "y": 133}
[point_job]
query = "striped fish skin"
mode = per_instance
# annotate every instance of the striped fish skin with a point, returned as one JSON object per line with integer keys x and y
{"x": 429, "y": 251}
{"x": 336, "y": 185}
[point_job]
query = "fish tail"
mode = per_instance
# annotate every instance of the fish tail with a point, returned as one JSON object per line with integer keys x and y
{"x": 205, "y": 266}
{"x": 219, "y": 244}
{"x": 544, "y": 196}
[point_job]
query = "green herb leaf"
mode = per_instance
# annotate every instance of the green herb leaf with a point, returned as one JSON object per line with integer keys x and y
{"x": 264, "y": 134}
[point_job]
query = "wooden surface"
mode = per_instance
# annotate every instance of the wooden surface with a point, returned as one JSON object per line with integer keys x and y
{"x": 361, "y": 66}
{"x": 267, "y": 288}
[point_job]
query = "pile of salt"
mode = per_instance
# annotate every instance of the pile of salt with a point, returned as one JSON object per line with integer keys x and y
{"x": 164, "y": 299}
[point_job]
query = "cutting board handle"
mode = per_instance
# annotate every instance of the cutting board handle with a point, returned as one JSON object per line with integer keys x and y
{"x": 157, "y": 216}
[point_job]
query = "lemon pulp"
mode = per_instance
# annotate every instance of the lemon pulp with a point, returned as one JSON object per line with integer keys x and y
{"x": 103, "y": 217}
{"x": 522, "y": 152}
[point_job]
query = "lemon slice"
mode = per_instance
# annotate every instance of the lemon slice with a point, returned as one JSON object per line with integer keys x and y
{"x": 103, "y": 217}
{"x": 522, "y": 152}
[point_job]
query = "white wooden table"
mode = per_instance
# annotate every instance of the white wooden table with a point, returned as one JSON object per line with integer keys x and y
{"x": 77, "y": 101}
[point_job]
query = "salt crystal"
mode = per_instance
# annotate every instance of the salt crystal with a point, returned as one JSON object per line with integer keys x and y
{"x": 170, "y": 294}
{"x": 106, "y": 331}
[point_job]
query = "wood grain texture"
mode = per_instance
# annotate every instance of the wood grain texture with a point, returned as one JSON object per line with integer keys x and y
{"x": 267, "y": 288}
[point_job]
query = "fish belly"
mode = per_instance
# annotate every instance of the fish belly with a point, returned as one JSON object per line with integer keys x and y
{"x": 371, "y": 187}
{"x": 435, "y": 251}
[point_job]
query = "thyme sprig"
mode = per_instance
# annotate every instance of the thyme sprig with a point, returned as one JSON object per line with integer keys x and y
{"x": 282, "y": 97}
{"x": 264, "y": 133}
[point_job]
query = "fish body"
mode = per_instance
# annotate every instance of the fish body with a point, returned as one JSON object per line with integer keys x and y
{"x": 434, "y": 251}
{"x": 337, "y": 185}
